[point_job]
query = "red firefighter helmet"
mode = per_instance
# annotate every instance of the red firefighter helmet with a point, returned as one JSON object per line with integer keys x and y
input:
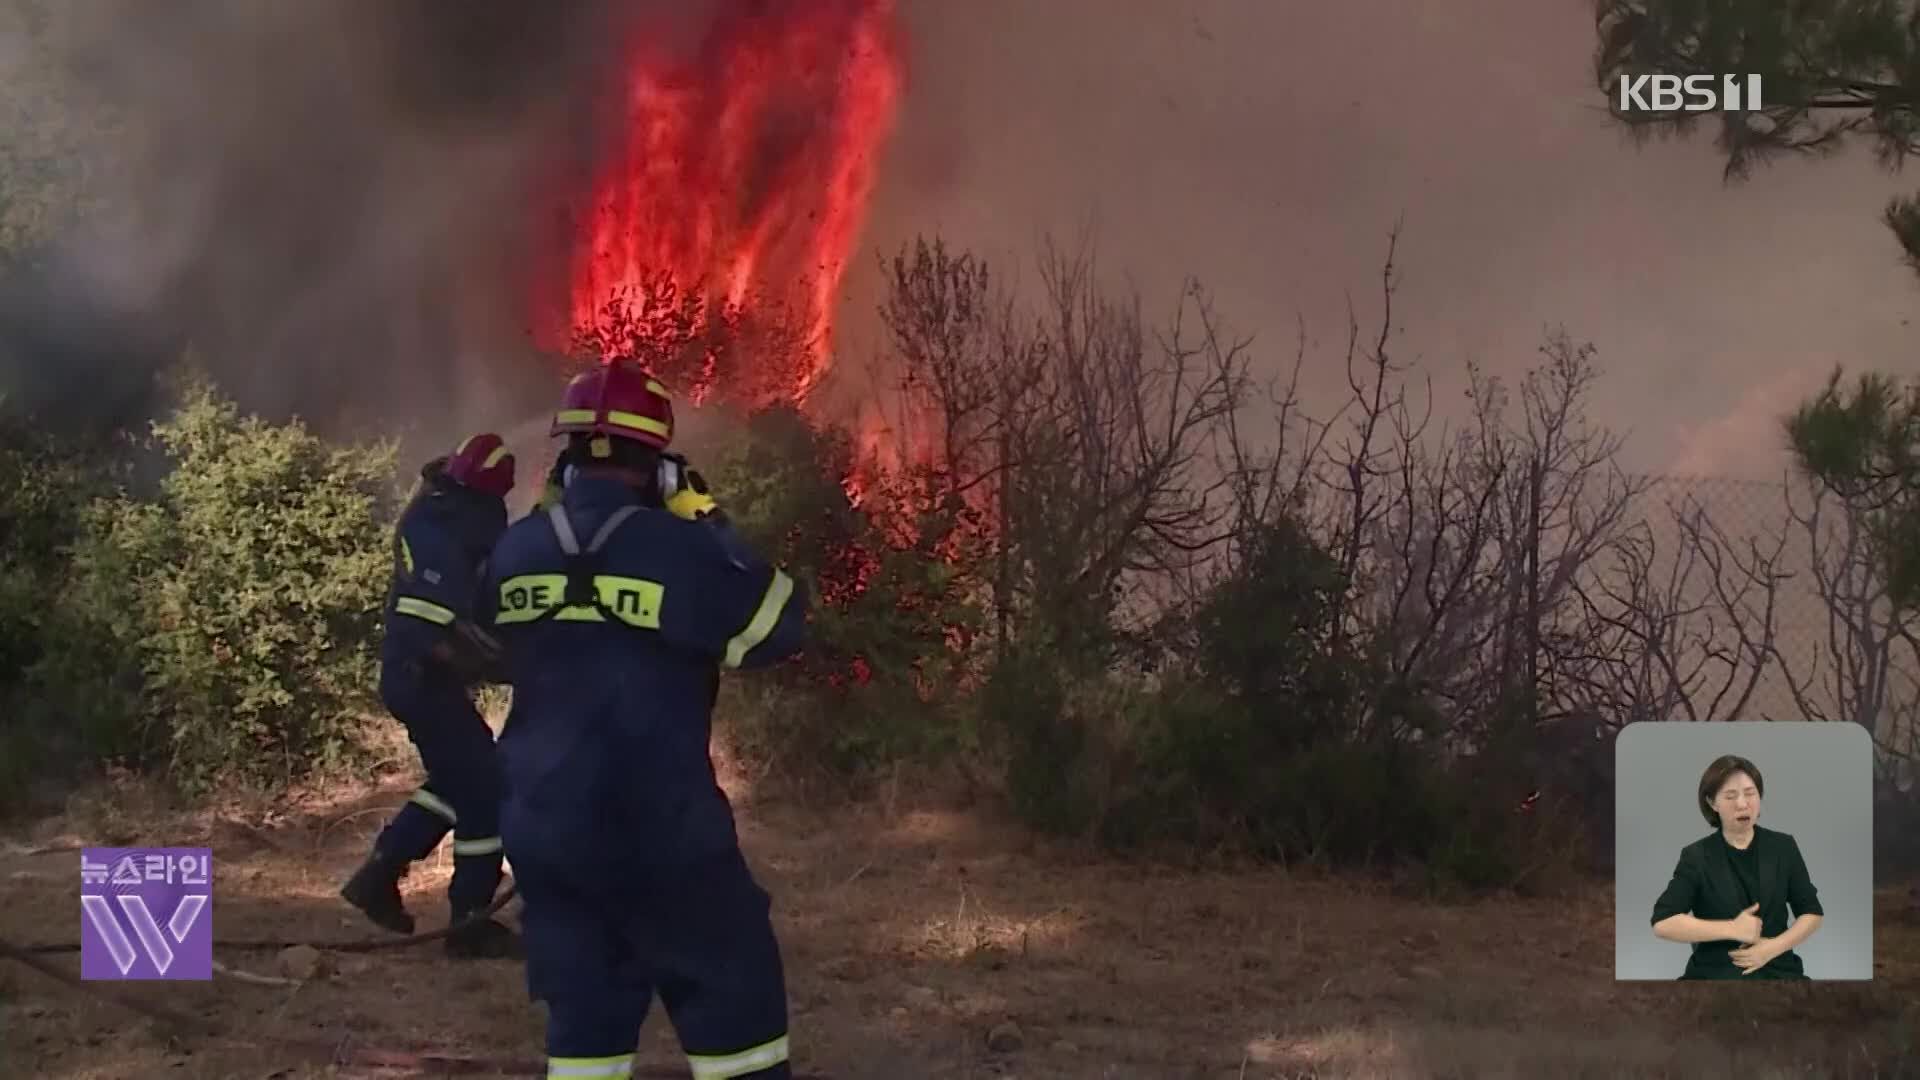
{"x": 483, "y": 464}
{"x": 620, "y": 399}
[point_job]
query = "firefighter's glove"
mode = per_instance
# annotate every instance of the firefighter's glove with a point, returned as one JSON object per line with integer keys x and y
{"x": 477, "y": 654}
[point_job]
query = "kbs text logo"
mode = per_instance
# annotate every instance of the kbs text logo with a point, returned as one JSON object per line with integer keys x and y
{"x": 1691, "y": 93}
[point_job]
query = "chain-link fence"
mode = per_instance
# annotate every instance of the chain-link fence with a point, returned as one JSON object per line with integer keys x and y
{"x": 1766, "y": 602}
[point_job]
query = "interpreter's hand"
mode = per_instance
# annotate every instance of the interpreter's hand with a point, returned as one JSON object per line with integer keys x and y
{"x": 1752, "y": 958}
{"x": 1746, "y": 927}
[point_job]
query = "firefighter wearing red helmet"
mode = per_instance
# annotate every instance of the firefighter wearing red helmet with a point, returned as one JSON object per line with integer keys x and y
{"x": 433, "y": 652}
{"x": 615, "y": 608}
{"x": 641, "y": 409}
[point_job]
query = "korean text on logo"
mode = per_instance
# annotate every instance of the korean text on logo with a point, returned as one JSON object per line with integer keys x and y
{"x": 146, "y": 913}
{"x": 1693, "y": 93}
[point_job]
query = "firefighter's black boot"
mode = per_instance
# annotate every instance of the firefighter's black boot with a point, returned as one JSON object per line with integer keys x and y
{"x": 484, "y": 939}
{"x": 476, "y": 881}
{"x": 375, "y": 890}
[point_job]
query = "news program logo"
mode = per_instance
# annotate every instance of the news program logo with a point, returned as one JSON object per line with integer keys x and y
{"x": 1690, "y": 93}
{"x": 146, "y": 913}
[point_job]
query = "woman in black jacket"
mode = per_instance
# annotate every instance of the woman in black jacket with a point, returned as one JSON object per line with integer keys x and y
{"x": 1733, "y": 889}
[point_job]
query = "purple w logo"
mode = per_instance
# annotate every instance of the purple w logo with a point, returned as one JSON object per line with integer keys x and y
{"x": 145, "y": 927}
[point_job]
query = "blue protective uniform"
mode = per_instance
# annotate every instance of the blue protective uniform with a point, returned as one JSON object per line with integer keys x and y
{"x": 440, "y": 550}
{"x": 623, "y": 844}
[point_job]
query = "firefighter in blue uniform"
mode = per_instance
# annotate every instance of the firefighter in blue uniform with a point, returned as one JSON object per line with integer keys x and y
{"x": 616, "y": 609}
{"x": 433, "y": 653}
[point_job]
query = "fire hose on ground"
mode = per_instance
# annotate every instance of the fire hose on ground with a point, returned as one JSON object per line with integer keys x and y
{"x": 341, "y": 1053}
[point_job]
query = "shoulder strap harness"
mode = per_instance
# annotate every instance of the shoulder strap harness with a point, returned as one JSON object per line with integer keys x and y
{"x": 584, "y": 565}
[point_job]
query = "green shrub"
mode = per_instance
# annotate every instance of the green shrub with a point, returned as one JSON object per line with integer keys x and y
{"x": 1028, "y": 700}
{"x": 1208, "y": 754}
{"x": 1265, "y": 636}
{"x": 1219, "y": 773}
{"x": 1264, "y": 736}
{"x": 38, "y": 516}
{"x": 249, "y": 591}
{"x": 60, "y": 690}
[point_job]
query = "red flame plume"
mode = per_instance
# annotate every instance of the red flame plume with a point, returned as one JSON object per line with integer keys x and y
{"x": 715, "y": 234}
{"x": 720, "y": 225}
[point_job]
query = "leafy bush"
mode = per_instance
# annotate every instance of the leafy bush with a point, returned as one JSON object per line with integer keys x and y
{"x": 1029, "y": 700}
{"x": 1266, "y": 636}
{"x": 39, "y": 514}
{"x": 57, "y": 692}
{"x": 1206, "y": 755}
{"x": 248, "y": 591}
{"x": 1265, "y": 737}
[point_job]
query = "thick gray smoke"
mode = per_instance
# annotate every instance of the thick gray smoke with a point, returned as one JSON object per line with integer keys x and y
{"x": 342, "y": 207}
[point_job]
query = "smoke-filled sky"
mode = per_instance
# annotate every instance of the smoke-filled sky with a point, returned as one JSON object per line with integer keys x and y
{"x": 338, "y": 204}
{"x": 1267, "y": 147}
{"x": 336, "y": 185}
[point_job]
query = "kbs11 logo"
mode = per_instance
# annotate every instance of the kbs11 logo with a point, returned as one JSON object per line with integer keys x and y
{"x": 1690, "y": 93}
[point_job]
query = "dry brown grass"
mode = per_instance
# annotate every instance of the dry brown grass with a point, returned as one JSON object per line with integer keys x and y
{"x": 910, "y": 935}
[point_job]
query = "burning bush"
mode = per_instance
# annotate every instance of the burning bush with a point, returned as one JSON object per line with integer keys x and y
{"x": 892, "y": 624}
{"x": 740, "y": 353}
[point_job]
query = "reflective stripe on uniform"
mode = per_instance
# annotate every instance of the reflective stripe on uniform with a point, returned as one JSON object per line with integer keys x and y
{"x": 727, "y": 1066}
{"x": 634, "y": 601}
{"x": 435, "y": 803}
{"x": 763, "y": 619}
{"x": 615, "y": 416}
{"x": 530, "y": 597}
{"x": 406, "y": 555}
{"x": 617, "y": 1065}
{"x": 423, "y": 609}
{"x": 486, "y": 846}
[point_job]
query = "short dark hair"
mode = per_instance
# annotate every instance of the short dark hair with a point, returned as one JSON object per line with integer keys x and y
{"x": 1710, "y": 782}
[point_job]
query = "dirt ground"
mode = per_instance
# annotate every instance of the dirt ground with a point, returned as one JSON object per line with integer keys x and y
{"x": 915, "y": 938}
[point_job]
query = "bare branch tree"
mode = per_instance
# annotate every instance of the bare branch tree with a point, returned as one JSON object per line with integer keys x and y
{"x": 1376, "y": 408}
{"x": 1861, "y": 667}
{"x": 1114, "y": 490}
{"x": 1078, "y": 438}
{"x": 1477, "y": 541}
{"x": 1687, "y": 633}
